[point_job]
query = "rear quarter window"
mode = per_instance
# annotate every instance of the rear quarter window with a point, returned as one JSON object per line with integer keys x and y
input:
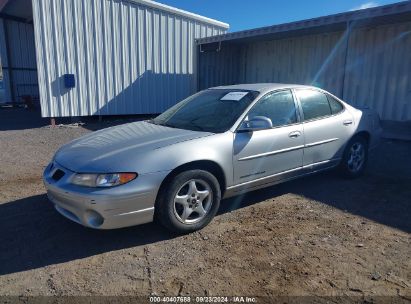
{"x": 335, "y": 105}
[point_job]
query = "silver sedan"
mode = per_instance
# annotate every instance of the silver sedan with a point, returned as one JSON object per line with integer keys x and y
{"x": 218, "y": 143}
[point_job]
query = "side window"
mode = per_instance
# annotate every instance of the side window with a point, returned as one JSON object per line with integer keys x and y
{"x": 277, "y": 106}
{"x": 314, "y": 104}
{"x": 335, "y": 105}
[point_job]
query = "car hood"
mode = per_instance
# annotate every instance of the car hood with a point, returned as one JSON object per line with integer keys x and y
{"x": 108, "y": 148}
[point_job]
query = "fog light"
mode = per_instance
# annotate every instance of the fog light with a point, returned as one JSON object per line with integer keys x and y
{"x": 94, "y": 219}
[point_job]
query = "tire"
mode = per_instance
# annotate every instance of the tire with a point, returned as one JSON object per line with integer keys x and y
{"x": 355, "y": 157}
{"x": 184, "y": 206}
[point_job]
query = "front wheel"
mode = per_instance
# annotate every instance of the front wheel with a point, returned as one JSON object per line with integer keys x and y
{"x": 355, "y": 157}
{"x": 189, "y": 202}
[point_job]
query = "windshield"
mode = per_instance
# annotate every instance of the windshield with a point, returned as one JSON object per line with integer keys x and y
{"x": 213, "y": 110}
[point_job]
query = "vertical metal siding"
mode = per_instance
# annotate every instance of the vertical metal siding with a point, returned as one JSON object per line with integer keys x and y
{"x": 222, "y": 67}
{"x": 310, "y": 60}
{"x": 19, "y": 71}
{"x": 378, "y": 71}
{"x": 127, "y": 57}
{"x": 314, "y": 59}
{"x": 366, "y": 66}
{"x": 5, "y": 91}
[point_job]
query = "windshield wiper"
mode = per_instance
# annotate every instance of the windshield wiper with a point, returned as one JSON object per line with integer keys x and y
{"x": 200, "y": 128}
{"x": 160, "y": 124}
{"x": 170, "y": 126}
{"x": 191, "y": 125}
{"x": 152, "y": 121}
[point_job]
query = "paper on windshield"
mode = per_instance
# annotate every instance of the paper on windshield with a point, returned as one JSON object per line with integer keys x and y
{"x": 234, "y": 96}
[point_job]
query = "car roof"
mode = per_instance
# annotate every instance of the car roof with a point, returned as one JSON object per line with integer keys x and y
{"x": 261, "y": 87}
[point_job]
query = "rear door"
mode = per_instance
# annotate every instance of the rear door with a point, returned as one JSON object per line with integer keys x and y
{"x": 263, "y": 153}
{"x": 327, "y": 127}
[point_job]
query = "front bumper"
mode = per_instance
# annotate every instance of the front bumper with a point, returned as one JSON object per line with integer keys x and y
{"x": 103, "y": 208}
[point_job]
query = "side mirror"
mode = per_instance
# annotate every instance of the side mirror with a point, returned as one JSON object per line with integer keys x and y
{"x": 255, "y": 124}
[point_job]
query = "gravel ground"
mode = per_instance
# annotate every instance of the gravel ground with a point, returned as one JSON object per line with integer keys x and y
{"x": 317, "y": 236}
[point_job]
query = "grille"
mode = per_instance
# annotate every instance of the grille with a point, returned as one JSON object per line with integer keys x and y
{"x": 58, "y": 175}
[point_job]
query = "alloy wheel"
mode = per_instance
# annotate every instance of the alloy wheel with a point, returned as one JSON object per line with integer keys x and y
{"x": 193, "y": 201}
{"x": 356, "y": 157}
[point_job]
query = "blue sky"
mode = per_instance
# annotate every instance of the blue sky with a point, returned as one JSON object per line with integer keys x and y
{"x": 246, "y": 14}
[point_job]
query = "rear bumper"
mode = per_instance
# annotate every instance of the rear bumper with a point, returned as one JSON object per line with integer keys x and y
{"x": 109, "y": 208}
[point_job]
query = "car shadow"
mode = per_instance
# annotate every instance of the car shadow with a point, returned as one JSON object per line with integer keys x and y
{"x": 382, "y": 195}
{"x": 34, "y": 235}
{"x": 389, "y": 205}
{"x": 15, "y": 118}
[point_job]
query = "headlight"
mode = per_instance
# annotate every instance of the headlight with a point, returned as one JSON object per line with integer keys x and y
{"x": 102, "y": 180}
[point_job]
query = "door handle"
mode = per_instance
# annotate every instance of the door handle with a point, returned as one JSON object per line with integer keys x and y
{"x": 347, "y": 122}
{"x": 294, "y": 134}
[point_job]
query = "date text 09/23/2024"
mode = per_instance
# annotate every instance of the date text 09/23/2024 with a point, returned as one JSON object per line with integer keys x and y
{"x": 202, "y": 299}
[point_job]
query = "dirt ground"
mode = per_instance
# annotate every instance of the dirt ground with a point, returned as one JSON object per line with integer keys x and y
{"x": 320, "y": 236}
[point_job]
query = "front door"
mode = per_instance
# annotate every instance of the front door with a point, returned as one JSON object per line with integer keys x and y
{"x": 270, "y": 152}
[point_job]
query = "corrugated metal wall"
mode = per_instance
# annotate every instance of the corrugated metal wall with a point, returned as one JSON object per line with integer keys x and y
{"x": 19, "y": 62}
{"x": 127, "y": 58}
{"x": 378, "y": 70}
{"x": 373, "y": 70}
{"x": 223, "y": 67}
{"x": 306, "y": 59}
{"x": 312, "y": 59}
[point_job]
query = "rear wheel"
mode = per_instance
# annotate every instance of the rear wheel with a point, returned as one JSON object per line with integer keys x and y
{"x": 355, "y": 157}
{"x": 189, "y": 202}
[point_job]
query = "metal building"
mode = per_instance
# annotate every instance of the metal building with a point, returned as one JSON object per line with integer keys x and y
{"x": 17, "y": 56}
{"x": 100, "y": 57}
{"x": 362, "y": 56}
